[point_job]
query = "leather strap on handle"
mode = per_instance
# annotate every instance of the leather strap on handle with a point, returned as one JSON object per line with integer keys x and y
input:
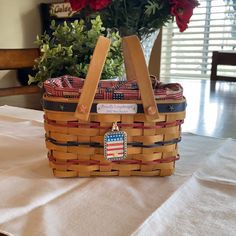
{"x": 136, "y": 64}
{"x": 92, "y": 78}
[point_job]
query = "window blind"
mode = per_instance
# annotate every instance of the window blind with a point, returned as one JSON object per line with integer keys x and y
{"x": 211, "y": 28}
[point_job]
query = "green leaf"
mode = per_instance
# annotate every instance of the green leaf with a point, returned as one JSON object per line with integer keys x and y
{"x": 151, "y": 7}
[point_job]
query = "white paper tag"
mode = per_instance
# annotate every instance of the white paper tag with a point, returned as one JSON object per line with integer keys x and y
{"x": 117, "y": 108}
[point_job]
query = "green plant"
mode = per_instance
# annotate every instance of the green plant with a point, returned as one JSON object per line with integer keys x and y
{"x": 68, "y": 50}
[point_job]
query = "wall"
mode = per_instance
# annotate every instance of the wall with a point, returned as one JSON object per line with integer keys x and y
{"x": 19, "y": 23}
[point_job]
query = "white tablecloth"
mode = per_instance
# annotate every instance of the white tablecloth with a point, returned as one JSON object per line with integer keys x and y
{"x": 199, "y": 199}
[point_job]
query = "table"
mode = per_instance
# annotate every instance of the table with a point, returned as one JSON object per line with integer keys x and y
{"x": 199, "y": 199}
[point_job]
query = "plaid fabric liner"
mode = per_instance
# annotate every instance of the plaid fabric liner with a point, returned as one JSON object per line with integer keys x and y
{"x": 71, "y": 87}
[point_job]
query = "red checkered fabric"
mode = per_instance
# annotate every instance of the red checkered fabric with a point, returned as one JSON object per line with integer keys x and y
{"x": 71, "y": 87}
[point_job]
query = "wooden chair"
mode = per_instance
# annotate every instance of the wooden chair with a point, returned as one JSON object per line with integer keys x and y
{"x": 15, "y": 59}
{"x": 222, "y": 58}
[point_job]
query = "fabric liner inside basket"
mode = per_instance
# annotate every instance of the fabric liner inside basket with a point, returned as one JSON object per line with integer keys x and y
{"x": 70, "y": 86}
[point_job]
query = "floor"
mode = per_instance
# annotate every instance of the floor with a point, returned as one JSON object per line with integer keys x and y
{"x": 211, "y": 107}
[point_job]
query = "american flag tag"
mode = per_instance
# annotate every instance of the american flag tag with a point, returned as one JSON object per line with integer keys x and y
{"x": 115, "y": 144}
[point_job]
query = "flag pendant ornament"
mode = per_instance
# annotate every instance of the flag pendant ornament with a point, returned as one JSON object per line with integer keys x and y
{"x": 115, "y": 144}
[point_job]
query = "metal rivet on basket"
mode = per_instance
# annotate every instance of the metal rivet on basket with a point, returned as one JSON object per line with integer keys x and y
{"x": 82, "y": 109}
{"x": 151, "y": 110}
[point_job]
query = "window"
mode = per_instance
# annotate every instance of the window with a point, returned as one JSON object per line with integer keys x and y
{"x": 211, "y": 28}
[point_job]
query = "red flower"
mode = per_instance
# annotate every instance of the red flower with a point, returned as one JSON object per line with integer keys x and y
{"x": 95, "y": 5}
{"x": 183, "y": 10}
{"x": 77, "y": 5}
{"x": 98, "y": 4}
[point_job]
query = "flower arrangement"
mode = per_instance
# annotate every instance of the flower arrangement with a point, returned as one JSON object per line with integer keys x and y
{"x": 140, "y": 17}
{"x": 69, "y": 48}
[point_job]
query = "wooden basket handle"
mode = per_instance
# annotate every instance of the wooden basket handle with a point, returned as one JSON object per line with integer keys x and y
{"x": 136, "y": 67}
{"x": 92, "y": 78}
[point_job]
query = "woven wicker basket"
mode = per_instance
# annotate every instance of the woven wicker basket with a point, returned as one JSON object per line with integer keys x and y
{"x": 75, "y": 128}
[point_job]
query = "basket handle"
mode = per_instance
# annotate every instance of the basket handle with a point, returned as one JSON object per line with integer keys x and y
{"x": 92, "y": 78}
{"x": 136, "y": 66}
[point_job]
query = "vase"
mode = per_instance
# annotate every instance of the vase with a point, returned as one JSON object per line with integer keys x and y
{"x": 147, "y": 43}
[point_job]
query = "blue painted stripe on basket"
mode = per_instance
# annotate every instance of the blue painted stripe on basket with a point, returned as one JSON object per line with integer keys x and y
{"x": 70, "y": 107}
{"x": 98, "y": 145}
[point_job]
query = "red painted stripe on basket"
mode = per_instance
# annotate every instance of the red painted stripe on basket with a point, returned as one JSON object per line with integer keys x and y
{"x": 134, "y": 125}
{"x": 166, "y": 160}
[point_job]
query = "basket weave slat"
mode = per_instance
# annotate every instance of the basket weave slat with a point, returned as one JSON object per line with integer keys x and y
{"x": 65, "y": 174}
{"x": 148, "y": 139}
{"x": 66, "y": 156}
